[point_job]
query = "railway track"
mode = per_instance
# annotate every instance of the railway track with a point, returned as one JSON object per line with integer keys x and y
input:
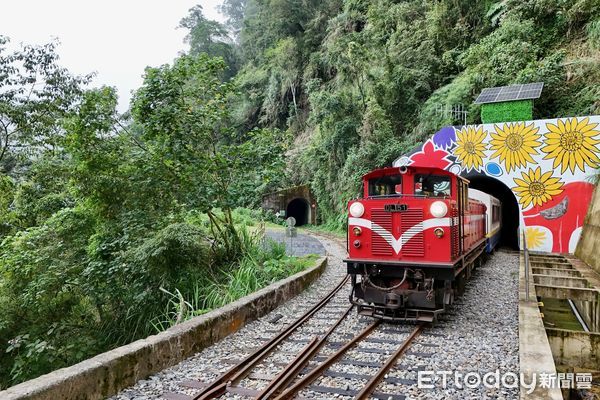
{"x": 472, "y": 334}
{"x": 219, "y": 386}
{"x": 277, "y": 370}
{"x": 368, "y": 390}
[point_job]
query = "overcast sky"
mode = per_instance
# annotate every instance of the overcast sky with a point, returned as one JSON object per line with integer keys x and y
{"x": 115, "y": 38}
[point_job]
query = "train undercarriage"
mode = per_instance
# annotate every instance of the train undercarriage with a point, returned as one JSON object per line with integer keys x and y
{"x": 409, "y": 292}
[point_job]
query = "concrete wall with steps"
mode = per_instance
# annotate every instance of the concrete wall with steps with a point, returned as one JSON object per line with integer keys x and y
{"x": 535, "y": 355}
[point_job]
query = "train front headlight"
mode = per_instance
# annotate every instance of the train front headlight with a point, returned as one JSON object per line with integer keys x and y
{"x": 357, "y": 231}
{"x": 357, "y": 210}
{"x": 439, "y": 232}
{"x": 438, "y": 209}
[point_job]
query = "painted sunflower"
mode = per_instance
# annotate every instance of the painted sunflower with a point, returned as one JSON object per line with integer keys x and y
{"x": 534, "y": 237}
{"x": 537, "y": 188}
{"x": 515, "y": 143}
{"x": 571, "y": 144}
{"x": 470, "y": 147}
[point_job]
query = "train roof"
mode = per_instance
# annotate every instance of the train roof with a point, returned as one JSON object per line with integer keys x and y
{"x": 376, "y": 173}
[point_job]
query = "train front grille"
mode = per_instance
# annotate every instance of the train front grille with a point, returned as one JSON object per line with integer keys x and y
{"x": 385, "y": 226}
{"x": 382, "y": 232}
{"x": 413, "y": 243}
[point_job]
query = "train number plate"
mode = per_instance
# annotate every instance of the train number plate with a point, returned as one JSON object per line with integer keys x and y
{"x": 395, "y": 207}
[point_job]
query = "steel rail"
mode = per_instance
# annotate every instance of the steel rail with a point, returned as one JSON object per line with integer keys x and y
{"x": 318, "y": 370}
{"x": 374, "y": 381}
{"x": 219, "y": 386}
{"x": 290, "y": 372}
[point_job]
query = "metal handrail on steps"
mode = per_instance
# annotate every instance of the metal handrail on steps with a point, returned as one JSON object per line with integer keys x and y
{"x": 526, "y": 260}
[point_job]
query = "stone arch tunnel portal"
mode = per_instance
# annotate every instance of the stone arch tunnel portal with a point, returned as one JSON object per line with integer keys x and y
{"x": 300, "y": 210}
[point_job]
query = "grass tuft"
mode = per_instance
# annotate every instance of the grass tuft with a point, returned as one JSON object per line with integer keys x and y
{"x": 265, "y": 262}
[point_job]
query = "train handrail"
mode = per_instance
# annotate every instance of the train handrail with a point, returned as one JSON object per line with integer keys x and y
{"x": 526, "y": 261}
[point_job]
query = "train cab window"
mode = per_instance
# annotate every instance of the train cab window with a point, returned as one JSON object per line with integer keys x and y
{"x": 432, "y": 185}
{"x": 389, "y": 185}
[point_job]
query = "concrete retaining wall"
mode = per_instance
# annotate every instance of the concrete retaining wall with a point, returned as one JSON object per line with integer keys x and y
{"x": 590, "y": 313}
{"x": 110, "y": 372}
{"x": 574, "y": 348}
{"x": 587, "y": 247}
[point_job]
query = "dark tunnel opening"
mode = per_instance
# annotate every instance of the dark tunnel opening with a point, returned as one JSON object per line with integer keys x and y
{"x": 298, "y": 208}
{"x": 509, "y": 236}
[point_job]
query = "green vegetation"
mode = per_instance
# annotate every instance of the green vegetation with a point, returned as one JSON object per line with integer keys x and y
{"x": 358, "y": 83}
{"x": 259, "y": 268}
{"x": 327, "y": 229}
{"x": 102, "y": 216}
{"x": 521, "y": 110}
{"x": 107, "y": 219}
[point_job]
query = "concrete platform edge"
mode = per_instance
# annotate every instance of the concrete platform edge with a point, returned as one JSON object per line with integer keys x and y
{"x": 108, "y": 373}
{"x": 535, "y": 356}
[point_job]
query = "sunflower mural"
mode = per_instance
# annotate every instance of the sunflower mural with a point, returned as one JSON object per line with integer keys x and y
{"x": 515, "y": 144}
{"x": 538, "y": 238}
{"x": 469, "y": 150}
{"x": 572, "y": 144}
{"x": 536, "y": 188}
{"x": 548, "y": 165}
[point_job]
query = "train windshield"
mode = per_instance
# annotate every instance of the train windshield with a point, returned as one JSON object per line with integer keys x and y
{"x": 389, "y": 185}
{"x": 432, "y": 185}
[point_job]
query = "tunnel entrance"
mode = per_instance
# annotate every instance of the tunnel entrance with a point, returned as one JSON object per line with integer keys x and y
{"x": 299, "y": 209}
{"x": 509, "y": 236}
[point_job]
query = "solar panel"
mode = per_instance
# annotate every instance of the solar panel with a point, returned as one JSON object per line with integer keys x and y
{"x": 511, "y": 92}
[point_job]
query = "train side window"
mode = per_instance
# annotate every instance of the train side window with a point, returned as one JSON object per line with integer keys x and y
{"x": 432, "y": 185}
{"x": 465, "y": 198}
{"x": 385, "y": 185}
{"x": 495, "y": 213}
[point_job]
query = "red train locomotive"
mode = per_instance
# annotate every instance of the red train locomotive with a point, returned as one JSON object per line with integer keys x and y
{"x": 413, "y": 240}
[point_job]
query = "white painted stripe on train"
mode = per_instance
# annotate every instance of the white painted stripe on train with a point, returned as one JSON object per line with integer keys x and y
{"x": 406, "y": 236}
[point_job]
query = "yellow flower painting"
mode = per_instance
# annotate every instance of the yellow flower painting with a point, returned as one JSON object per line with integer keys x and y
{"x": 470, "y": 147}
{"x": 534, "y": 237}
{"x": 537, "y": 188}
{"x": 572, "y": 144}
{"x": 515, "y": 143}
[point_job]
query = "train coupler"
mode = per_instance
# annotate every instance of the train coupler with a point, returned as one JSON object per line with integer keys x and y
{"x": 406, "y": 315}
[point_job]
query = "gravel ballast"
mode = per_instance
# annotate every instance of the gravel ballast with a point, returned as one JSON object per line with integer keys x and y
{"x": 478, "y": 334}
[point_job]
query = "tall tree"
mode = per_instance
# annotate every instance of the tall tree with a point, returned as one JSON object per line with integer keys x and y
{"x": 35, "y": 95}
{"x": 182, "y": 110}
{"x": 210, "y": 37}
{"x": 235, "y": 11}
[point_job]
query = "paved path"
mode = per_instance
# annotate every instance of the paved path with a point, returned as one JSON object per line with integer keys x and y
{"x": 301, "y": 245}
